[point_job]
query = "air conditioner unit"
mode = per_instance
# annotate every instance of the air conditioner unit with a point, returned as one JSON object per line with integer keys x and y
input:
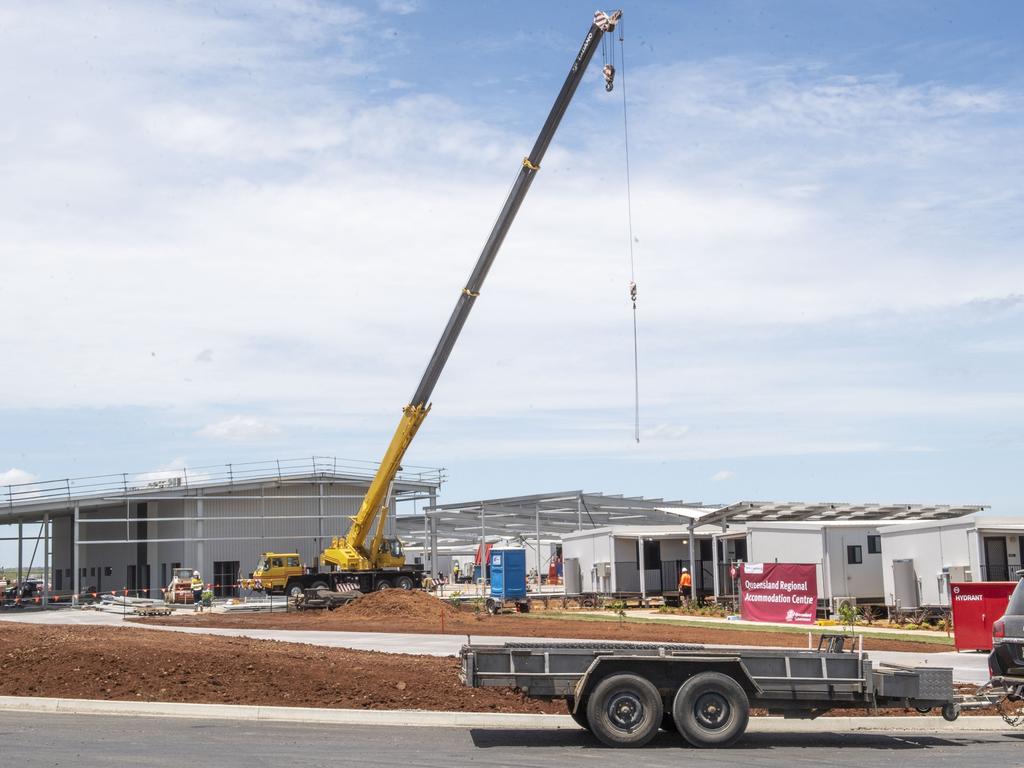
{"x": 603, "y": 570}
{"x": 959, "y": 572}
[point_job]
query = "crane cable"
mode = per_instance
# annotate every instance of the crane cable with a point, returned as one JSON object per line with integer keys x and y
{"x": 632, "y": 239}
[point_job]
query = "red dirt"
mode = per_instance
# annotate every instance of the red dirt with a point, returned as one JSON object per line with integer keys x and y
{"x": 130, "y": 664}
{"x": 133, "y": 664}
{"x": 420, "y": 613}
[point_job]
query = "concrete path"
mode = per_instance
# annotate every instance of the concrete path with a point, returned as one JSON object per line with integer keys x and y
{"x": 32, "y": 740}
{"x": 967, "y": 667}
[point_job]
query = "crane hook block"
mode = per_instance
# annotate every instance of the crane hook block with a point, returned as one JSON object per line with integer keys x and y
{"x": 609, "y": 77}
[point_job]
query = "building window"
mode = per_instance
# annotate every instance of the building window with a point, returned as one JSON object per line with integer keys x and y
{"x": 67, "y": 573}
{"x": 854, "y": 554}
{"x": 108, "y": 571}
{"x": 58, "y": 583}
{"x": 92, "y": 571}
{"x": 874, "y": 545}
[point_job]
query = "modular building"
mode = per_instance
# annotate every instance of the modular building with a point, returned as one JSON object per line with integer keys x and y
{"x": 128, "y": 532}
{"x": 920, "y": 560}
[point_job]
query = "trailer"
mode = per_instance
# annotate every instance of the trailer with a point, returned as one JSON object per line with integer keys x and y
{"x": 625, "y": 692}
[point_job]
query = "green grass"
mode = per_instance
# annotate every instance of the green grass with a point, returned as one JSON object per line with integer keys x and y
{"x": 907, "y": 637}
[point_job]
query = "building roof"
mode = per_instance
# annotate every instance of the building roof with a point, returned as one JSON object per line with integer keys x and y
{"x": 826, "y": 512}
{"x": 553, "y": 515}
{"x": 518, "y": 517}
{"x": 31, "y": 500}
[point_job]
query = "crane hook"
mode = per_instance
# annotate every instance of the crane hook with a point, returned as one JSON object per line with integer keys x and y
{"x": 609, "y": 77}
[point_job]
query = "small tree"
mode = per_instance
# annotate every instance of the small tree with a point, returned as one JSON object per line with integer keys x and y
{"x": 847, "y": 614}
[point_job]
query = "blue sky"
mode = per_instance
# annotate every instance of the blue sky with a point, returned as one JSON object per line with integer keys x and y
{"x": 234, "y": 231}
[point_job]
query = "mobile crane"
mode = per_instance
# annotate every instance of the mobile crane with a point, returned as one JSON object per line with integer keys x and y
{"x": 380, "y": 564}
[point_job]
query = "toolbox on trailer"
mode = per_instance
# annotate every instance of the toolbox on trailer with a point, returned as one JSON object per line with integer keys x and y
{"x": 625, "y": 692}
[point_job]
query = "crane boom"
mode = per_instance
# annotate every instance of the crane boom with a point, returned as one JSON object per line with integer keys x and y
{"x": 350, "y": 552}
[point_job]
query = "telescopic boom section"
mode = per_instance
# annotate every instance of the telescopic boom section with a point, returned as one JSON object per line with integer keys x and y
{"x": 350, "y": 553}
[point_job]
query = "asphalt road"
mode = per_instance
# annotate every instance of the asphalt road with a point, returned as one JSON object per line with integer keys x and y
{"x": 74, "y": 740}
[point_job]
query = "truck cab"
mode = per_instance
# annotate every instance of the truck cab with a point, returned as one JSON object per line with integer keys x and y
{"x": 273, "y": 571}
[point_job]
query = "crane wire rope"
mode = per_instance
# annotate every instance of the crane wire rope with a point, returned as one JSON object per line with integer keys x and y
{"x": 629, "y": 219}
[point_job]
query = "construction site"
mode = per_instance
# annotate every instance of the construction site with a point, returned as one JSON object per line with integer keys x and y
{"x": 316, "y": 589}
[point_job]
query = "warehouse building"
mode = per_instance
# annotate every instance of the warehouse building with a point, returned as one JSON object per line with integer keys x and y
{"x": 129, "y": 531}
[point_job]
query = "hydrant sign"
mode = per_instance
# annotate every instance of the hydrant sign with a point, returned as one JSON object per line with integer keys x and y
{"x": 783, "y": 592}
{"x": 977, "y": 605}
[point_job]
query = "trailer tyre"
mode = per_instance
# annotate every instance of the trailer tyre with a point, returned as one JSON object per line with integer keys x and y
{"x": 578, "y": 714}
{"x": 404, "y": 582}
{"x": 950, "y": 712}
{"x": 624, "y": 711}
{"x": 711, "y": 710}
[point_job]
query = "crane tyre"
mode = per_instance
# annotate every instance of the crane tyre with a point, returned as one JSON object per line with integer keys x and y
{"x": 711, "y": 710}
{"x": 624, "y": 710}
{"x": 295, "y": 591}
{"x": 404, "y": 582}
{"x": 578, "y": 714}
{"x": 318, "y": 585}
{"x": 382, "y": 585}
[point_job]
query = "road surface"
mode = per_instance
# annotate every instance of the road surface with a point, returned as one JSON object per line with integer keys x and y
{"x": 85, "y": 741}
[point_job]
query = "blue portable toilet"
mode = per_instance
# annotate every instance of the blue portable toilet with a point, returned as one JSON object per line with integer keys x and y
{"x": 508, "y": 573}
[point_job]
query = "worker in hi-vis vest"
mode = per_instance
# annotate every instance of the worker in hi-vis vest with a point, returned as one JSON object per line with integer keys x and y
{"x": 685, "y": 585}
{"x": 197, "y": 591}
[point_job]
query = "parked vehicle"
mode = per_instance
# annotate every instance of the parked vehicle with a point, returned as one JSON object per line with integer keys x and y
{"x": 1006, "y": 662}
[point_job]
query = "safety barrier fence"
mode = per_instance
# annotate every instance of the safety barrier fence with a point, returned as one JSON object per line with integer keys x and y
{"x": 156, "y": 593}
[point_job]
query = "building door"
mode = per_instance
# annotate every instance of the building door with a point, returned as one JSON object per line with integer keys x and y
{"x": 225, "y": 576}
{"x": 132, "y": 582}
{"x": 997, "y": 567}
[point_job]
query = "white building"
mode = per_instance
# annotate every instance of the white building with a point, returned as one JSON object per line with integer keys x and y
{"x": 128, "y": 532}
{"x": 919, "y": 560}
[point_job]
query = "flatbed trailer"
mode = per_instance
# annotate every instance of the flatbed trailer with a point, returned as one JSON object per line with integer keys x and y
{"x": 624, "y": 692}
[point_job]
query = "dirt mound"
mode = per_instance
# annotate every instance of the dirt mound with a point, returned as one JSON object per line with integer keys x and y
{"x": 150, "y": 665}
{"x": 395, "y": 603}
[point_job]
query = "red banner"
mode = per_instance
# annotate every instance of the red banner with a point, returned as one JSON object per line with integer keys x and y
{"x": 783, "y": 592}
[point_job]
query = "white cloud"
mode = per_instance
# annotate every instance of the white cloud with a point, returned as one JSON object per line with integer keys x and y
{"x": 240, "y": 429}
{"x": 722, "y": 475}
{"x": 14, "y": 476}
{"x": 401, "y": 7}
{"x": 234, "y": 188}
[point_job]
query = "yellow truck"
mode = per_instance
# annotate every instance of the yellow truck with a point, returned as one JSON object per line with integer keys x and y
{"x": 282, "y": 573}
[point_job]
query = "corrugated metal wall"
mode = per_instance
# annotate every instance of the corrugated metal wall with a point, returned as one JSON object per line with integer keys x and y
{"x": 219, "y": 527}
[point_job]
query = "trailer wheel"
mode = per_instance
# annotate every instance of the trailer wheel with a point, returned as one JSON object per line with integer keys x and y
{"x": 578, "y": 714}
{"x": 492, "y": 606}
{"x": 404, "y": 582}
{"x": 711, "y": 710}
{"x": 624, "y": 711}
{"x": 950, "y": 712}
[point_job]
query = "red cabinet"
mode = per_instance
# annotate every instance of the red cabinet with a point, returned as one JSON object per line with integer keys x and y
{"x": 977, "y": 606}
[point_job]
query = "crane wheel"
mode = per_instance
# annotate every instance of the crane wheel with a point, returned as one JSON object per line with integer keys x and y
{"x": 404, "y": 582}
{"x": 382, "y": 585}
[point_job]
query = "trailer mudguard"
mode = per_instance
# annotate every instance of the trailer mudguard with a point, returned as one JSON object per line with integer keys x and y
{"x": 667, "y": 673}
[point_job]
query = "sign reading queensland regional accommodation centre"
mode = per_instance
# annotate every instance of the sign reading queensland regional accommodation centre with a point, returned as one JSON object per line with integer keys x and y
{"x": 786, "y": 592}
